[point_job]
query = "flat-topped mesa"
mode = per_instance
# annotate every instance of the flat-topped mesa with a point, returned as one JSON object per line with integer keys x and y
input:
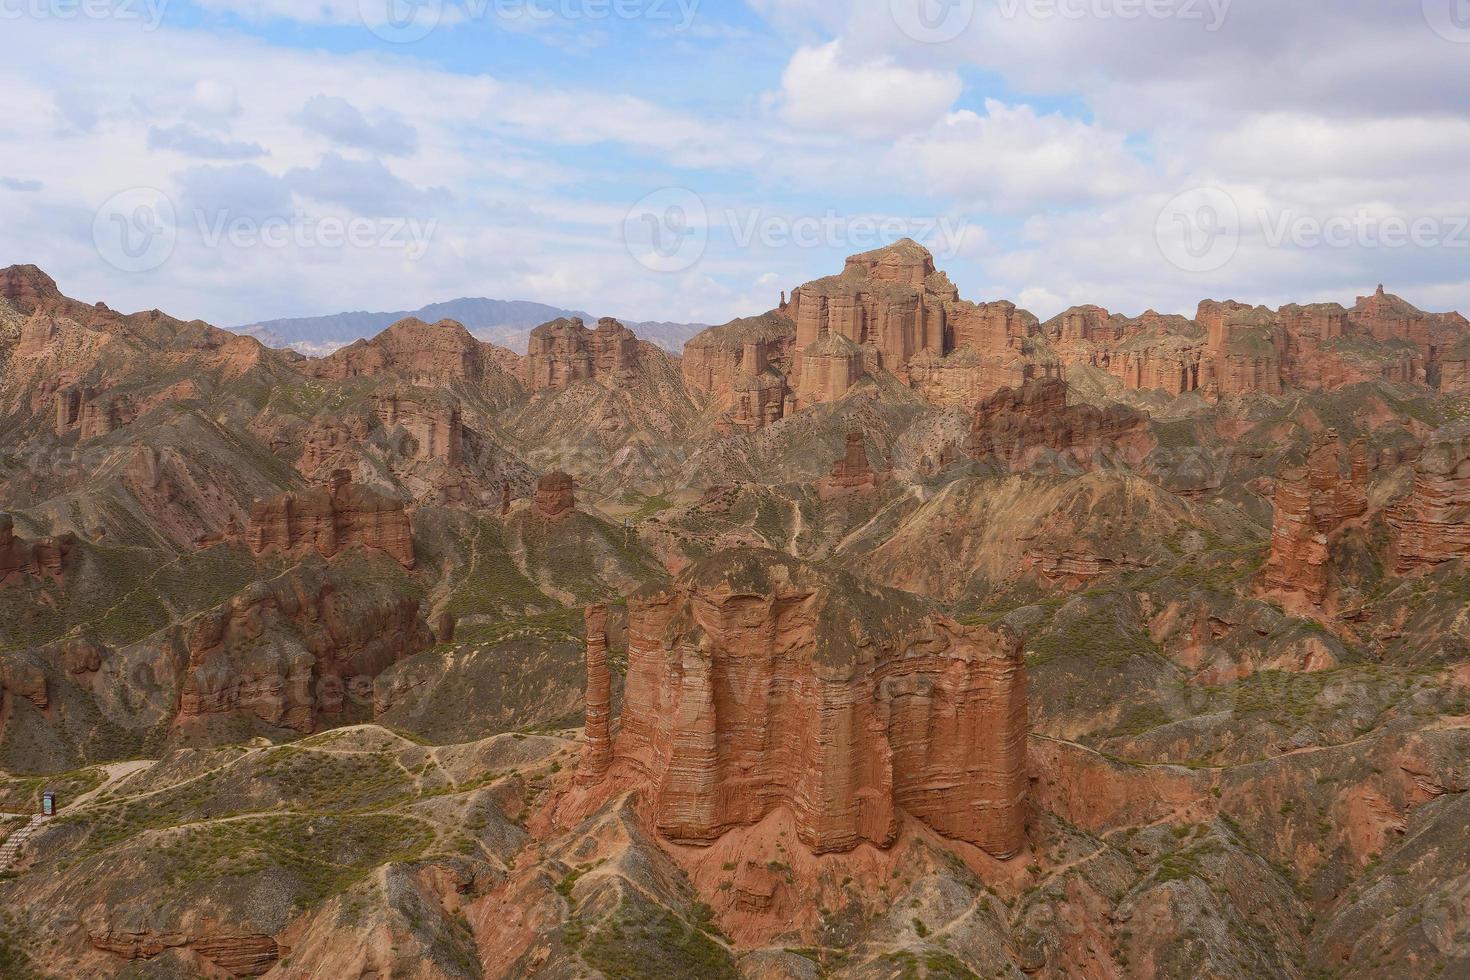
{"x": 564, "y": 351}
{"x": 42, "y": 559}
{"x": 419, "y": 352}
{"x": 852, "y": 473}
{"x": 1311, "y": 502}
{"x": 1386, "y": 317}
{"x": 1432, "y": 524}
{"x": 330, "y": 519}
{"x": 1015, "y": 425}
{"x": 758, "y": 681}
{"x": 554, "y": 496}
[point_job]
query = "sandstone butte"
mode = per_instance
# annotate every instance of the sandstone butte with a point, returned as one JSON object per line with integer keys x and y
{"x": 891, "y": 311}
{"x": 758, "y": 681}
{"x": 330, "y": 519}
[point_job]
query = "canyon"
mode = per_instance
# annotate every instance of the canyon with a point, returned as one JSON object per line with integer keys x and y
{"x": 882, "y": 634}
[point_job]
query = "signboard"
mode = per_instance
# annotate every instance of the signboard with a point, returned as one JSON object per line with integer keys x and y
{"x": 48, "y": 804}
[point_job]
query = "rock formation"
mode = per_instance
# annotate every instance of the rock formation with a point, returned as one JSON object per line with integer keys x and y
{"x": 415, "y": 351}
{"x": 91, "y": 413}
{"x": 329, "y": 520}
{"x": 287, "y": 651}
{"x": 1015, "y": 425}
{"x": 1311, "y": 503}
{"x": 1433, "y": 523}
{"x": 597, "y": 749}
{"x": 554, "y": 496}
{"x": 565, "y": 351}
{"x": 757, "y": 681}
{"x": 852, "y": 473}
{"x": 45, "y": 558}
{"x": 433, "y": 426}
{"x": 742, "y": 366}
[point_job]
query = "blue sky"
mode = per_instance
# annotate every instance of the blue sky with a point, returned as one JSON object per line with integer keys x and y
{"x": 237, "y": 160}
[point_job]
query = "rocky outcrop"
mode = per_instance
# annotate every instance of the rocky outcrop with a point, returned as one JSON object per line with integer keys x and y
{"x": 1246, "y": 346}
{"x": 419, "y": 353}
{"x": 597, "y": 747}
{"x": 91, "y": 413}
{"x": 829, "y": 366}
{"x": 555, "y": 496}
{"x": 742, "y": 366}
{"x": 852, "y": 473}
{"x": 45, "y": 558}
{"x": 236, "y": 956}
{"x": 330, "y": 519}
{"x": 1015, "y": 426}
{"x": 757, "y": 681}
{"x": 564, "y": 351}
{"x": 1432, "y": 525}
{"x": 432, "y": 425}
{"x": 1312, "y": 502}
{"x": 19, "y": 679}
{"x": 291, "y": 650}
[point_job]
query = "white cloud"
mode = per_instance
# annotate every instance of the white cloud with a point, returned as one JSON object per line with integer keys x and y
{"x": 1012, "y": 159}
{"x": 870, "y": 100}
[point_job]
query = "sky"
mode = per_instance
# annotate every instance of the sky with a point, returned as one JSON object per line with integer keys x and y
{"x": 686, "y": 160}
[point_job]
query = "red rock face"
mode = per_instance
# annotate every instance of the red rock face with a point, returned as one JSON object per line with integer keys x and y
{"x": 45, "y": 558}
{"x": 1433, "y": 523}
{"x": 756, "y": 681}
{"x": 286, "y": 651}
{"x": 91, "y": 413}
{"x": 597, "y": 749}
{"x": 742, "y": 365}
{"x": 554, "y": 496}
{"x": 852, "y": 473}
{"x": 1016, "y": 425}
{"x": 1311, "y": 502}
{"x": 330, "y": 519}
{"x": 565, "y": 351}
{"x": 416, "y": 351}
{"x": 434, "y": 427}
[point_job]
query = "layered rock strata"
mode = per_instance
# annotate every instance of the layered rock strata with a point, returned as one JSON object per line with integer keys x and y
{"x": 330, "y": 519}
{"x": 287, "y": 651}
{"x": 757, "y": 681}
{"x": 555, "y": 496}
{"x": 564, "y": 351}
{"x": 1014, "y": 425}
{"x": 852, "y": 473}
{"x": 1312, "y": 502}
{"x": 45, "y": 558}
{"x": 1433, "y": 522}
{"x": 597, "y": 748}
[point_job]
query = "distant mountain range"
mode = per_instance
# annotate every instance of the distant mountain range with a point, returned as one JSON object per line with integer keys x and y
{"x": 505, "y": 322}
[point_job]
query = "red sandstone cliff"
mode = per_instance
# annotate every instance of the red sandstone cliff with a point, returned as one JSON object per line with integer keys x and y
{"x": 1014, "y": 426}
{"x": 757, "y": 681}
{"x": 1311, "y": 502}
{"x": 1433, "y": 523}
{"x": 565, "y": 351}
{"x": 45, "y": 558}
{"x": 330, "y": 519}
